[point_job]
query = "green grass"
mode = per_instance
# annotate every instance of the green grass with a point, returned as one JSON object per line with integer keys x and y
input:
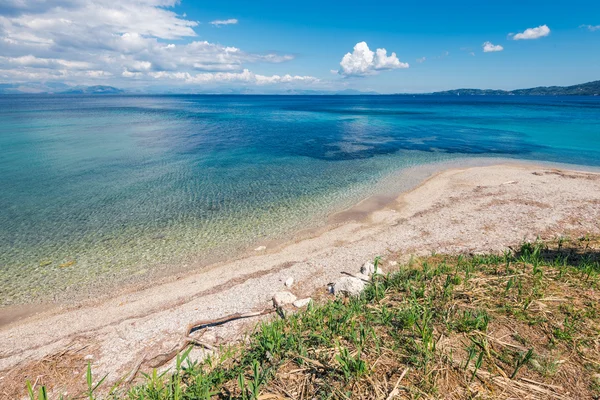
{"x": 470, "y": 326}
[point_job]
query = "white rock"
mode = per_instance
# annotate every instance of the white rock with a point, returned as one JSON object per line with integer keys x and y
{"x": 368, "y": 269}
{"x": 393, "y": 263}
{"x": 348, "y": 286}
{"x": 302, "y": 302}
{"x": 283, "y": 298}
{"x": 260, "y": 248}
{"x": 289, "y": 282}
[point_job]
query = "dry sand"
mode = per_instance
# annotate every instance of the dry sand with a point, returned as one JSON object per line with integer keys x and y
{"x": 478, "y": 209}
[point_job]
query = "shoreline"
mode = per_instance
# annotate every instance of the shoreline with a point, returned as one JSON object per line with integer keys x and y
{"x": 113, "y": 326}
{"x": 417, "y": 176}
{"x": 384, "y": 192}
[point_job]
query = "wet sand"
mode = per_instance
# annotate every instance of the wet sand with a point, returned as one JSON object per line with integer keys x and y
{"x": 459, "y": 210}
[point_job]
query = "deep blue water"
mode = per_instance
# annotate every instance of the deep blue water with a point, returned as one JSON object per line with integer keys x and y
{"x": 95, "y": 188}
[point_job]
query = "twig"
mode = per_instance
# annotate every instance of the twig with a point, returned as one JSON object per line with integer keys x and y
{"x": 163, "y": 358}
{"x": 395, "y": 391}
{"x": 355, "y": 276}
{"x": 220, "y": 321}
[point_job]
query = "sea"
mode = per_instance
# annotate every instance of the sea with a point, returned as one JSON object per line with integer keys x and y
{"x": 101, "y": 190}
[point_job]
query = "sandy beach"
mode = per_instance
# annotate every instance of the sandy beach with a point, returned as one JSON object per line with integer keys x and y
{"x": 460, "y": 210}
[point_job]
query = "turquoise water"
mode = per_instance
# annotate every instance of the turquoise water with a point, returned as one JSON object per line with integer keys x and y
{"x": 103, "y": 189}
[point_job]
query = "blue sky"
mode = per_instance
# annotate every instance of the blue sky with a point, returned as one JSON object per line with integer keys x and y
{"x": 272, "y": 46}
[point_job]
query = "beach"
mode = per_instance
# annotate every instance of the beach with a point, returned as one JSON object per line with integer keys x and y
{"x": 458, "y": 210}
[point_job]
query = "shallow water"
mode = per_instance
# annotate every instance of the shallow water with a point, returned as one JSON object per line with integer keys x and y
{"x": 99, "y": 189}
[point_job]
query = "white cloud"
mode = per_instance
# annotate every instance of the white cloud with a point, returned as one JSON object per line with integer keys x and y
{"x": 533, "y": 33}
{"x": 421, "y": 60}
{"x": 219, "y": 22}
{"x": 81, "y": 41}
{"x": 489, "y": 47}
{"x": 245, "y": 76}
{"x": 591, "y": 28}
{"x": 362, "y": 61}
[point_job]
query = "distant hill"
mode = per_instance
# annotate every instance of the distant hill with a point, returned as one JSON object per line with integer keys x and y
{"x": 93, "y": 90}
{"x": 584, "y": 89}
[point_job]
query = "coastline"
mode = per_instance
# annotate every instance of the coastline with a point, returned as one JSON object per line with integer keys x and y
{"x": 385, "y": 191}
{"x": 379, "y": 225}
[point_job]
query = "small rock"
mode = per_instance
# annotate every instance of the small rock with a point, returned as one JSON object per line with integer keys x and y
{"x": 393, "y": 263}
{"x": 368, "y": 269}
{"x": 260, "y": 248}
{"x": 88, "y": 357}
{"x": 302, "y": 302}
{"x": 289, "y": 282}
{"x": 283, "y": 298}
{"x": 348, "y": 286}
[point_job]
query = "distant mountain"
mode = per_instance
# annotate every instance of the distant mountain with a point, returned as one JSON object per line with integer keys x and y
{"x": 584, "y": 89}
{"x": 93, "y": 90}
{"x": 32, "y": 88}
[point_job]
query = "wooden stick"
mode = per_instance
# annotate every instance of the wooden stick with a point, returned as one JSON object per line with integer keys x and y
{"x": 220, "y": 321}
{"x": 162, "y": 358}
{"x": 355, "y": 276}
{"x": 395, "y": 391}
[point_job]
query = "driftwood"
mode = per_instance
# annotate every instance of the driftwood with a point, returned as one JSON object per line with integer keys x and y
{"x": 220, "y": 321}
{"x": 162, "y": 358}
{"x": 355, "y": 276}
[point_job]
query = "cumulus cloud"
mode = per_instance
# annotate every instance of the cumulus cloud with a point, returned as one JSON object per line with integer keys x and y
{"x": 489, "y": 47}
{"x": 219, "y": 22}
{"x": 591, "y": 28}
{"x": 362, "y": 61}
{"x": 533, "y": 33}
{"x": 92, "y": 41}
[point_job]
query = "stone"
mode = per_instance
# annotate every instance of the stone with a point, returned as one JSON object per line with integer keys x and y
{"x": 393, "y": 263}
{"x": 368, "y": 269}
{"x": 289, "y": 282}
{"x": 283, "y": 298}
{"x": 302, "y": 302}
{"x": 260, "y": 248}
{"x": 348, "y": 286}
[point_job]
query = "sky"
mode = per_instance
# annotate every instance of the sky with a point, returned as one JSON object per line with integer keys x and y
{"x": 291, "y": 46}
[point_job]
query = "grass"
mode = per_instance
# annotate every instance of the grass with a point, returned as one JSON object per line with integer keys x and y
{"x": 524, "y": 324}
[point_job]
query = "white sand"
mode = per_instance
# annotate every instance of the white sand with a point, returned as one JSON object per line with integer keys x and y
{"x": 478, "y": 209}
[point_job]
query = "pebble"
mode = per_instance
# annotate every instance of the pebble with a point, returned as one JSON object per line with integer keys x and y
{"x": 283, "y": 298}
{"x": 289, "y": 282}
{"x": 368, "y": 269}
{"x": 302, "y": 302}
{"x": 260, "y": 248}
{"x": 348, "y": 286}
